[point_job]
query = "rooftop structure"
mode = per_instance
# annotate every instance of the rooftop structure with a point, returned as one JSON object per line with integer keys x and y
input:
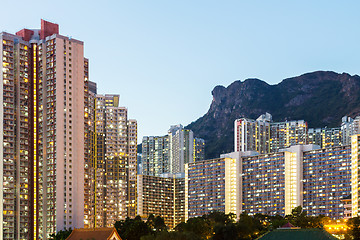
{"x": 94, "y": 234}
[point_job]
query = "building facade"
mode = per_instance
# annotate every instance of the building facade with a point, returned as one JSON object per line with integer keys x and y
{"x": 286, "y": 134}
{"x": 162, "y": 196}
{"x": 155, "y": 155}
{"x": 301, "y": 175}
{"x": 318, "y": 179}
{"x": 326, "y": 137}
{"x": 264, "y": 136}
{"x": 331, "y": 167}
{"x": 17, "y": 159}
{"x": 253, "y": 135}
{"x": 89, "y": 151}
{"x": 199, "y": 149}
{"x": 212, "y": 185}
{"x": 170, "y": 153}
{"x": 43, "y": 107}
{"x": 181, "y": 148}
{"x": 259, "y": 171}
{"x": 115, "y": 162}
{"x": 355, "y": 181}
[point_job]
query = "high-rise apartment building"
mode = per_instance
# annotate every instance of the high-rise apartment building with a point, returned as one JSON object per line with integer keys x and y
{"x": 325, "y": 137}
{"x": 315, "y": 136}
{"x": 259, "y": 171}
{"x": 302, "y": 175}
{"x": 89, "y": 152}
{"x": 169, "y": 153}
{"x": 43, "y": 75}
{"x": 17, "y": 160}
{"x": 318, "y": 179}
{"x": 199, "y": 149}
{"x": 286, "y": 134}
{"x": 115, "y": 163}
{"x": 162, "y": 196}
{"x": 326, "y": 180}
{"x": 155, "y": 155}
{"x": 139, "y": 163}
{"x": 346, "y": 130}
{"x": 212, "y": 185}
{"x": 349, "y": 127}
{"x": 264, "y": 136}
{"x": 69, "y": 155}
{"x": 181, "y": 148}
{"x": 355, "y": 181}
{"x": 253, "y": 135}
{"x": 132, "y": 167}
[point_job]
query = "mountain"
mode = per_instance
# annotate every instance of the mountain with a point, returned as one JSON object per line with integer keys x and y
{"x": 321, "y": 98}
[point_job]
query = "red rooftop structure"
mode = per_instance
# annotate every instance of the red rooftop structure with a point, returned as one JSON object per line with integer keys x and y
{"x": 47, "y": 29}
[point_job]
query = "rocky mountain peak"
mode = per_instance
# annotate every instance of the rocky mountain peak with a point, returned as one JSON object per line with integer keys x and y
{"x": 321, "y": 98}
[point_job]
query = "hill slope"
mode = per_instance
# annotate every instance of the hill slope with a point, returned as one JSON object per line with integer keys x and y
{"x": 320, "y": 98}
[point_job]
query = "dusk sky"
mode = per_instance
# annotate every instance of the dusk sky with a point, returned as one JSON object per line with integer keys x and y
{"x": 165, "y": 57}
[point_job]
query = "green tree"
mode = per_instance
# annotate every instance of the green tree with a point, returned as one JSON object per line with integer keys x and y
{"x": 224, "y": 232}
{"x": 317, "y": 221}
{"x": 276, "y": 222}
{"x": 180, "y": 227}
{"x": 200, "y": 226}
{"x": 172, "y": 236}
{"x": 159, "y": 224}
{"x": 248, "y": 227}
{"x": 151, "y": 221}
{"x": 299, "y": 218}
{"x": 132, "y": 229}
{"x": 220, "y": 217}
{"x": 354, "y": 228}
{"x": 61, "y": 235}
{"x": 298, "y": 212}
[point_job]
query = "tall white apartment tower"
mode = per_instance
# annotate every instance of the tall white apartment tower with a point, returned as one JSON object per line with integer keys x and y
{"x": 181, "y": 148}
{"x": 252, "y": 135}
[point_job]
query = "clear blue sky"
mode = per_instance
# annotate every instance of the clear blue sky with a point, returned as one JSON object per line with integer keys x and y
{"x": 165, "y": 57}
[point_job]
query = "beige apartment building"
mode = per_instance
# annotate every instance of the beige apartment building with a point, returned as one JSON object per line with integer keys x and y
{"x": 162, "y": 196}
{"x": 115, "y": 162}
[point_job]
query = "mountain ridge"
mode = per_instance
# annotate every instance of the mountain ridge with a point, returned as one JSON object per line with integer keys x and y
{"x": 321, "y": 98}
